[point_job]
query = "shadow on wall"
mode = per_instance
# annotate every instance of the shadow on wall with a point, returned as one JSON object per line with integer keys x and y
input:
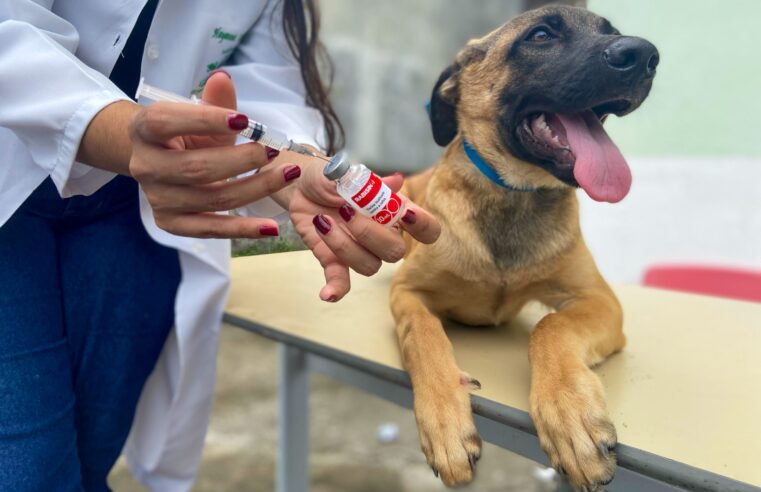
{"x": 387, "y": 57}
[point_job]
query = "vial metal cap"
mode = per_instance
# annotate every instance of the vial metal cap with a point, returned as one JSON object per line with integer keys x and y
{"x": 338, "y": 165}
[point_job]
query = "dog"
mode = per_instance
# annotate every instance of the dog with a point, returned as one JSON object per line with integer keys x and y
{"x": 520, "y": 112}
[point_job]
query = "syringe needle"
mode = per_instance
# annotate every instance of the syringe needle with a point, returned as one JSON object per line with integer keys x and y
{"x": 303, "y": 150}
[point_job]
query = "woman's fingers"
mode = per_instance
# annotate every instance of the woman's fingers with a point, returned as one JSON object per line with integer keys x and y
{"x": 420, "y": 224}
{"x": 394, "y": 181}
{"x": 209, "y": 225}
{"x": 344, "y": 247}
{"x": 337, "y": 282}
{"x": 224, "y": 195}
{"x": 382, "y": 241}
{"x": 199, "y": 166}
{"x": 163, "y": 121}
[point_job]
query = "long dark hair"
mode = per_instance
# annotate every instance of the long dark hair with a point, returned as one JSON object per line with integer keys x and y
{"x": 301, "y": 24}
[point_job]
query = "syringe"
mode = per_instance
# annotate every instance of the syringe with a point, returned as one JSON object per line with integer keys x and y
{"x": 258, "y": 132}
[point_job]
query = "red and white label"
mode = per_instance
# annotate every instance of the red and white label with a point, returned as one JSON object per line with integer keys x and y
{"x": 377, "y": 200}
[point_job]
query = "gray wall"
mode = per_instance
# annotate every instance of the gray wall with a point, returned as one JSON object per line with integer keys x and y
{"x": 388, "y": 54}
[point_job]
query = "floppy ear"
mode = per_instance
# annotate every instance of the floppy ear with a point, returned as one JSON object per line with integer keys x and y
{"x": 443, "y": 106}
{"x": 442, "y": 109}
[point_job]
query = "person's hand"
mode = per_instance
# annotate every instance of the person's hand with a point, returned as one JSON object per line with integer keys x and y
{"x": 184, "y": 156}
{"x": 341, "y": 239}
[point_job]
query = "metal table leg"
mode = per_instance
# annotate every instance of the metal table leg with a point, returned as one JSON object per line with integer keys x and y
{"x": 293, "y": 423}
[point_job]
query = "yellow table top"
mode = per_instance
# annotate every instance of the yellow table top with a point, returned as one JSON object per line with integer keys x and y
{"x": 687, "y": 386}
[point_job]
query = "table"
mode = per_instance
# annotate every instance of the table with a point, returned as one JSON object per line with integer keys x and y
{"x": 685, "y": 394}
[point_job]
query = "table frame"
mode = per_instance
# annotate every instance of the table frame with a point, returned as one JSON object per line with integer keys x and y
{"x": 504, "y": 426}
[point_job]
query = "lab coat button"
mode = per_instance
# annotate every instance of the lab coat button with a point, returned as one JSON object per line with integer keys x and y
{"x": 152, "y": 52}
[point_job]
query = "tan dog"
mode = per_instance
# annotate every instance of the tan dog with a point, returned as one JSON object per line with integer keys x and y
{"x": 529, "y": 99}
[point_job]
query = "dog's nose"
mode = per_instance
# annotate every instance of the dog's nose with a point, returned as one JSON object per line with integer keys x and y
{"x": 632, "y": 54}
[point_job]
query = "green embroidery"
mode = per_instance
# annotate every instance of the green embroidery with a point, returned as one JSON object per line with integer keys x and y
{"x": 223, "y": 36}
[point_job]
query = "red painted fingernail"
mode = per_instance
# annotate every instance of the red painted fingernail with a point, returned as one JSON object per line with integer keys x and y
{"x": 291, "y": 172}
{"x": 332, "y": 299}
{"x": 237, "y": 121}
{"x": 321, "y": 223}
{"x": 347, "y": 212}
{"x": 409, "y": 217}
{"x": 272, "y": 153}
{"x": 269, "y": 231}
{"x": 221, "y": 70}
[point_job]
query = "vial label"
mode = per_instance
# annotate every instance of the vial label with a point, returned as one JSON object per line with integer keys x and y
{"x": 377, "y": 200}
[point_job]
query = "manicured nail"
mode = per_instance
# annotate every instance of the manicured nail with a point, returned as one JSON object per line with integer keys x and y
{"x": 269, "y": 231}
{"x": 332, "y": 299}
{"x": 409, "y": 217}
{"x": 291, "y": 172}
{"x": 237, "y": 121}
{"x": 347, "y": 212}
{"x": 321, "y": 223}
{"x": 272, "y": 153}
{"x": 221, "y": 70}
{"x": 397, "y": 173}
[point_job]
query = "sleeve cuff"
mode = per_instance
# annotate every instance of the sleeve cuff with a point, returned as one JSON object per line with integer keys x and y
{"x": 72, "y": 177}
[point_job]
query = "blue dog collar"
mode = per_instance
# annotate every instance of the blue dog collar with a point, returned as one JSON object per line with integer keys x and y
{"x": 486, "y": 169}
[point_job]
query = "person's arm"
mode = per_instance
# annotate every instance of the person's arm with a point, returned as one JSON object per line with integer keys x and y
{"x": 106, "y": 143}
{"x": 62, "y": 110}
{"x": 270, "y": 88}
{"x": 49, "y": 96}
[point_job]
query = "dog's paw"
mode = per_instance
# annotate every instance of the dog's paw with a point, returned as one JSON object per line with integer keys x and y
{"x": 574, "y": 429}
{"x": 448, "y": 436}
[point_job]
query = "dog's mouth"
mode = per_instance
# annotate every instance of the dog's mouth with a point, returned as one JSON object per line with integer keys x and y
{"x": 579, "y": 149}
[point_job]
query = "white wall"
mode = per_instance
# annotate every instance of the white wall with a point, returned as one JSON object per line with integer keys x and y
{"x": 698, "y": 210}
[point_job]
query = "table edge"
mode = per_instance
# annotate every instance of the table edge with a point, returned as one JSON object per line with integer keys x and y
{"x": 634, "y": 459}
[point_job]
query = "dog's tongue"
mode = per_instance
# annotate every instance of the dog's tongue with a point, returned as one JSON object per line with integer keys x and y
{"x": 600, "y": 168}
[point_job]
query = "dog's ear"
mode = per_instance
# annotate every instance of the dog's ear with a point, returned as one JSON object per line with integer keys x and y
{"x": 443, "y": 106}
{"x": 442, "y": 109}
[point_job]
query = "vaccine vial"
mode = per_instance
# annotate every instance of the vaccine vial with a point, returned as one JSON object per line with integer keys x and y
{"x": 364, "y": 190}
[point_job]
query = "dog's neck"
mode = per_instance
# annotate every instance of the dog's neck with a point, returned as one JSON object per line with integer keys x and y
{"x": 489, "y": 171}
{"x": 518, "y": 227}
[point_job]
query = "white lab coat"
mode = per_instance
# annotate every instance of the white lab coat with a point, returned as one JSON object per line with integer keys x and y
{"x": 55, "y": 57}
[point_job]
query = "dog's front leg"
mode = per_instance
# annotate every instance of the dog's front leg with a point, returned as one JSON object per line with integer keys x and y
{"x": 567, "y": 400}
{"x": 448, "y": 436}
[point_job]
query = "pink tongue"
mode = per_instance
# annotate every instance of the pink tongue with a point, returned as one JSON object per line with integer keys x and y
{"x": 600, "y": 168}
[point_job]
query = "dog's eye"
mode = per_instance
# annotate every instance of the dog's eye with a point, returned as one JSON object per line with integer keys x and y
{"x": 540, "y": 35}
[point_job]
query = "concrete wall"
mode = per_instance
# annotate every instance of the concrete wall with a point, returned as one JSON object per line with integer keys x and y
{"x": 388, "y": 55}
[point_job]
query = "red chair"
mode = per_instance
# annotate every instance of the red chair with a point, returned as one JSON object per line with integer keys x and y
{"x": 735, "y": 283}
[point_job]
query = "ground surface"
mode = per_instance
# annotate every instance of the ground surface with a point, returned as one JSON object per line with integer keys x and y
{"x": 345, "y": 454}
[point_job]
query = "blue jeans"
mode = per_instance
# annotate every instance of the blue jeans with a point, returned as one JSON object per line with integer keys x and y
{"x": 86, "y": 304}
